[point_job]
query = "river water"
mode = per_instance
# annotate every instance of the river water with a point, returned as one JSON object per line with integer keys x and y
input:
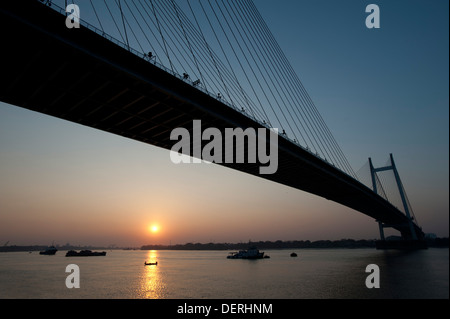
{"x": 314, "y": 274}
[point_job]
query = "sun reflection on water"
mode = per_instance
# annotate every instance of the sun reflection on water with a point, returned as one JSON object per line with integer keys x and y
{"x": 151, "y": 285}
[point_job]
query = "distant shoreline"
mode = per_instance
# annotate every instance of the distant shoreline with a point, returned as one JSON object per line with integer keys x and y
{"x": 343, "y": 243}
{"x": 297, "y": 244}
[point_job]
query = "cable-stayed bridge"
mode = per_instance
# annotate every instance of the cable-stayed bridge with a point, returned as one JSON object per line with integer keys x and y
{"x": 142, "y": 68}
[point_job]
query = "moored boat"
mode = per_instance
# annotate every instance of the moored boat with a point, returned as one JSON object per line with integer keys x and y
{"x": 251, "y": 253}
{"x": 49, "y": 251}
{"x": 84, "y": 253}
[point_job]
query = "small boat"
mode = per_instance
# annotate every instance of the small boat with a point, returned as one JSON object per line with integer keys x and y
{"x": 49, "y": 251}
{"x": 293, "y": 255}
{"x": 251, "y": 253}
{"x": 85, "y": 253}
{"x": 151, "y": 264}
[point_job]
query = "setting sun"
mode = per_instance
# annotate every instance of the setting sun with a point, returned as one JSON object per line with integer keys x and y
{"x": 154, "y": 228}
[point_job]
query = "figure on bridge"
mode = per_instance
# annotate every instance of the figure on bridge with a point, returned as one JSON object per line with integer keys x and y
{"x": 151, "y": 56}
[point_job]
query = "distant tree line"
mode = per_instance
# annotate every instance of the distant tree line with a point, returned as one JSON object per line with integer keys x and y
{"x": 343, "y": 243}
{"x": 31, "y": 248}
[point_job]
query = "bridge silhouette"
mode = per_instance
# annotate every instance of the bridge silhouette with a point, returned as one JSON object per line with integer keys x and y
{"x": 86, "y": 76}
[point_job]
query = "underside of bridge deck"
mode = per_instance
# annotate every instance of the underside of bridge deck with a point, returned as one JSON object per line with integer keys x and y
{"x": 80, "y": 76}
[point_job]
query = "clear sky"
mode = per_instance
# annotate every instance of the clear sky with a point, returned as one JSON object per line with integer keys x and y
{"x": 380, "y": 91}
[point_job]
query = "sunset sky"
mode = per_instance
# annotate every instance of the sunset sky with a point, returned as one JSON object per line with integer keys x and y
{"x": 379, "y": 91}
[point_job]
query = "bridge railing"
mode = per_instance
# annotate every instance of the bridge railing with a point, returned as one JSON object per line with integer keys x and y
{"x": 143, "y": 56}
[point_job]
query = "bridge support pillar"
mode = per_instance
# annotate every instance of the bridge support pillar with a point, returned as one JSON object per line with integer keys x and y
{"x": 380, "y": 225}
{"x": 373, "y": 171}
{"x": 403, "y": 197}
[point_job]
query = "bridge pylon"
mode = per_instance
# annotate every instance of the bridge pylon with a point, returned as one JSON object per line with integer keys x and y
{"x": 411, "y": 235}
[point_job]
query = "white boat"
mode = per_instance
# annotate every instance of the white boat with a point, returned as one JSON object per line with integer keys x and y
{"x": 251, "y": 253}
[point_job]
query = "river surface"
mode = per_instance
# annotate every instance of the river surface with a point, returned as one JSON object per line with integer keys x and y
{"x": 314, "y": 274}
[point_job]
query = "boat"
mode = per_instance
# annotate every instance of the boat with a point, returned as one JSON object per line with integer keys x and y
{"x": 151, "y": 264}
{"x": 85, "y": 253}
{"x": 251, "y": 253}
{"x": 293, "y": 255}
{"x": 49, "y": 251}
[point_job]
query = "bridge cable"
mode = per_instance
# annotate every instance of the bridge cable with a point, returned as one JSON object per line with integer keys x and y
{"x": 132, "y": 29}
{"x": 275, "y": 53}
{"x": 272, "y": 45}
{"x": 254, "y": 73}
{"x": 162, "y": 36}
{"x": 149, "y": 54}
{"x": 270, "y": 75}
{"x": 187, "y": 39}
{"x": 124, "y": 28}
{"x": 313, "y": 108}
{"x": 234, "y": 52}
{"x": 252, "y": 28}
{"x": 275, "y": 70}
{"x": 223, "y": 51}
{"x": 363, "y": 175}
{"x": 201, "y": 45}
{"x": 95, "y": 11}
{"x": 205, "y": 63}
{"x": 216, "y": 63}
{"x": 166, "y": 45}
{"x": 208, "y": 48}
{"x": 302, "y": 91}
{"x": 114, "y": 20}
{"x": 176, "y": 36}
{"x": 196, "y": 52}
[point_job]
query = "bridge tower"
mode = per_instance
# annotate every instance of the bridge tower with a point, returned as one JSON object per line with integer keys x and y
{"x": 373, "y": 172}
